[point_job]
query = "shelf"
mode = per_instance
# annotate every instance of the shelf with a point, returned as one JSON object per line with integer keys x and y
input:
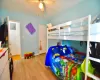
{"x": 93, "y": 76}
{"x": 94, "y": 59}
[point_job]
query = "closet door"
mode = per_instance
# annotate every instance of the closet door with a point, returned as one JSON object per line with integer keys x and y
{"x": 42, "y": 39}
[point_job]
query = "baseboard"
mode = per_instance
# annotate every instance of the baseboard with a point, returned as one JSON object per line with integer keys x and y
{"x": 22, "y": 57}
{"x": 34, "y": 55}
{"x": 38, "y": 54}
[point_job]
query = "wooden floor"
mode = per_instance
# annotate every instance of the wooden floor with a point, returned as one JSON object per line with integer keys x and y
{"x": 32, "y": 69}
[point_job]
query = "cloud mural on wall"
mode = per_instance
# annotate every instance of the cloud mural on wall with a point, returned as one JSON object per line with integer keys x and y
{"x": 30, "y": 28}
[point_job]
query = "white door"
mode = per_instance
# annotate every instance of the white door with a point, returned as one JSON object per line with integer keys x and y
{"x": 14, "y": 38}
{"x": 42, "y": 39}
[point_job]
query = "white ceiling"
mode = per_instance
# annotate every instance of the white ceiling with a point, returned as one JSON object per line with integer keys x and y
{"x": 32, "y": 8}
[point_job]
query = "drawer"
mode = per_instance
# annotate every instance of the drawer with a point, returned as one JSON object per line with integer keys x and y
{"x": 5, "y": 75}
{"x": 3, "y": 62}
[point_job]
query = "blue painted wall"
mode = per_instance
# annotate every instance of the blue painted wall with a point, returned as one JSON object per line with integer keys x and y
{"x": 53, "y": 42}
{"x": 76, "y": 45}
{"x": 29, "y": 43}
{"x": 84, "y": 8}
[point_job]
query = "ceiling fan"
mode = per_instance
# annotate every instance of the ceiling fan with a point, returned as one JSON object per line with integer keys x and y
{"x": 42, "y": 3}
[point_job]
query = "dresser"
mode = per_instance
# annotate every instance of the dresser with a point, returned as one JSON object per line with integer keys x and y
{"x": 4, "y": 65}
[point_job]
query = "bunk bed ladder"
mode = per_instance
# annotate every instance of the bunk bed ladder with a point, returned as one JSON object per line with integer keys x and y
{"x": 88, "y": 57}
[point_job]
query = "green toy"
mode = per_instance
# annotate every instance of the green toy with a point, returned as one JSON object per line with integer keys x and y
{"x": 90, "y": 68}
{"x": 79, "y": 71}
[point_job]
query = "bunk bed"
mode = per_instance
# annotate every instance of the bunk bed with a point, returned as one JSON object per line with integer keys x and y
{"x": 79, "y": 30}
{"x": 75, "y": 30}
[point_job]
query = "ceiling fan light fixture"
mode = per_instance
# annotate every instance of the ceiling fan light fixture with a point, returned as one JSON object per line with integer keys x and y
{"x": 41, "y": 6}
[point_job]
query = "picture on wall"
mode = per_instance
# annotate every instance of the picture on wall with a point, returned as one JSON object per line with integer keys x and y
{"x": 30, "y": 28}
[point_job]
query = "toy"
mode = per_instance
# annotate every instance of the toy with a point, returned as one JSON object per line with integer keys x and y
{"x": 28, "y": 55}
{"x": 90, "y": 68}
{"x": 79, "y": 75}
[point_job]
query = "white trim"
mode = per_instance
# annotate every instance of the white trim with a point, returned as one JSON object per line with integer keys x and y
{"x": 88, "y": 42}
{"x": 22, "y": 57}
{"x": 94, "y": 59}
{"x": 38, "y": 54}
{"x": 47, "y": 39}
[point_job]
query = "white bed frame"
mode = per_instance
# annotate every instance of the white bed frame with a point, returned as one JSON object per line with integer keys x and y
{"x": 79, "y": 30}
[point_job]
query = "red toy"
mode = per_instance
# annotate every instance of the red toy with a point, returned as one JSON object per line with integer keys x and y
{"x": 28, "y": 55}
